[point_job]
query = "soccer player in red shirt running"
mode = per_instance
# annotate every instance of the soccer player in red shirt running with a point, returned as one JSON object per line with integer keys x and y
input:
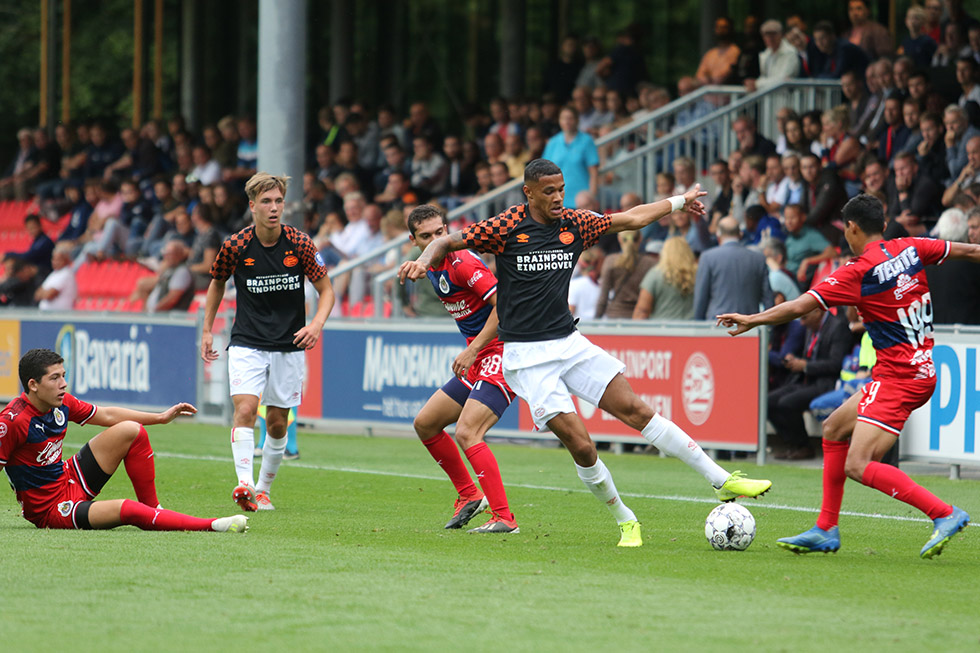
{"x": 887, "y": 284}
{"x": 59, "y": 494}
{"x": 477, "y": 395}
{"x": 546, "y": 359}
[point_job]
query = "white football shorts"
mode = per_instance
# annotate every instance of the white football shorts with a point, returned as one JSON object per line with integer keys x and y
{"x": 276, "y": 376}
{"x": 546, "y": 373}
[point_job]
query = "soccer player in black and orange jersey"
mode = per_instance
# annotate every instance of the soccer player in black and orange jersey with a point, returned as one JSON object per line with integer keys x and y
{"x": 545, "y": 358}
{"x": 56, "y": 493}
{"x": 265, "y": 356}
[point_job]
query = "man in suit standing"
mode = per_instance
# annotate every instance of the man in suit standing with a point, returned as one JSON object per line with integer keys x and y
{"x": 730, "y": 275}
{"x": 825, "y": 344}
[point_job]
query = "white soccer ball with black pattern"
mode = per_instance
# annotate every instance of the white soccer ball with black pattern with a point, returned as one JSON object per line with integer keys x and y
{"x": 730, "y": 527}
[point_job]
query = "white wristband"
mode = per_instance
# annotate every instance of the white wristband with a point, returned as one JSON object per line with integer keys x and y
{"x": 676, "y": 203}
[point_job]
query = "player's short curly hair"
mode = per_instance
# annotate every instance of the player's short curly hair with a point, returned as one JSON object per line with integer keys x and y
{"x": 262, "y": 182}
{"x": 422, "y": 213}
{"x": 35, "y": 363}
{"x": 539, "y": 168}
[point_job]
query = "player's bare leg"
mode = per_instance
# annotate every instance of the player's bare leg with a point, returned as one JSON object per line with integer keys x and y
{"x": 243, "y": 449}
{"x": 276, "y": 423}
{"x": 430, "y": 424}
{"x": 129, "y": 442}
{"x": 474, "y": 421}
{"x": 572, "y": 432}
{"x": 620, "y": 401}
{"x": 119, "y": 512}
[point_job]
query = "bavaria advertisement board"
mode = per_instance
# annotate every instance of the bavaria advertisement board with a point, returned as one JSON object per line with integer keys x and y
{"x": 945, "y": 429}
{"x": 126, "y": 362}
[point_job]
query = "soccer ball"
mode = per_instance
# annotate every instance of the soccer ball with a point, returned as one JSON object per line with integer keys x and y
{"x": 730, "y": 527}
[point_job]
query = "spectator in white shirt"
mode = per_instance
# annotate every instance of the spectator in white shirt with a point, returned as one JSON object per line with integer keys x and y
{"x": 778, "y": 62}
{"x": 59, "y": 290}
{"x": 206, "y": 170}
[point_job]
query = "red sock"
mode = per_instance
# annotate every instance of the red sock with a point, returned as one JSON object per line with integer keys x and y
{"x": 444, "y": 451}
{"x": 150, "y": 519}
{"x": 141, "y": 469}
{"x": 834, "y": 457}
{"x": 485, "y": 465}
{"x": 897, "y": 484}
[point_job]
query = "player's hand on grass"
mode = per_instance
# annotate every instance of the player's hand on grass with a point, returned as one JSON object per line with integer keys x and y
{"x": 737, "y": 320}
{"x": 411, "y": 270}
{"x": 207, "y": 347}
{"x": 307, "y": 337}
{"x": 463, "y": 362}
{"x": 691, "y": 200}
{"x": 182, "y": 409}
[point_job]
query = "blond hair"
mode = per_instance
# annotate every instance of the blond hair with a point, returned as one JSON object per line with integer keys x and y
{"x": 678, "y": 264}
{"x": 262, "y": 182}
{"x": 629, "y": 242}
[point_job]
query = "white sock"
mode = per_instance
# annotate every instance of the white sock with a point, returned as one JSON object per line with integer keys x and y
{"x": 242, "y": 450}
{"x": 272, "y": 452}
{"x": 598, "y": 479}
{"x": 673, "y": 441}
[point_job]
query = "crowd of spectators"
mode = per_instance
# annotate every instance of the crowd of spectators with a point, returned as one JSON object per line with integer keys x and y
{"x": 906, "y": 133}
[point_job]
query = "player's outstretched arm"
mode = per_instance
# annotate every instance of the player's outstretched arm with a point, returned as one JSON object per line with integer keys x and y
{"x": 785, "y": 312}
{"x": 216, "y": 291}
{"x": 433, "y": 255}
{"x": 642, "y": 215}
{"x": 965, "y": 252}
{"x": 112, "y": 415}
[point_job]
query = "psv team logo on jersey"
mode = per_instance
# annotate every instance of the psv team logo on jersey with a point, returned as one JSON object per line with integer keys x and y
{"x": 566, "y": 237}
{"x": 290, "y": 261}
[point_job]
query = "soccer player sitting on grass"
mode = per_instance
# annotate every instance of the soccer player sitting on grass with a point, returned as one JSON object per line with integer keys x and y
{"x": 546, "y": 359}
{"x": 59, "y": 494}
{"x": 887, "y": 284}
{"x": 477, "y": 395}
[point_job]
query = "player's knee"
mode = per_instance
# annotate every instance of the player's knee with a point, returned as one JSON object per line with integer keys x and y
{"x": 640, "y": 414}
{"x": 467, "y": 437}
{"x": 425, "y": 426}
{"x": 854, "y": 467}
{"x": 129, "y": 430}
{"x": 833, "y": 430}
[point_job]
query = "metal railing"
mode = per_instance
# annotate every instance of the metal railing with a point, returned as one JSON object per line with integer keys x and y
{"x": 645, "y": 147}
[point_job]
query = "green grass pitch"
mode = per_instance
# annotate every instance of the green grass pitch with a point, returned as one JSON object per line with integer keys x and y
{"x": 355, "y": 558}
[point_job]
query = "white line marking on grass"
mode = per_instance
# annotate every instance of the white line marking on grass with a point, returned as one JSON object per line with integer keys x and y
{"x": 551, "y": 488}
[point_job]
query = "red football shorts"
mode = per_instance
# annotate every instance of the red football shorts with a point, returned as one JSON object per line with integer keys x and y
{"x": 487, "y": 367}
{"x": 887, "y": 403}
{"x": 58, "y": 510}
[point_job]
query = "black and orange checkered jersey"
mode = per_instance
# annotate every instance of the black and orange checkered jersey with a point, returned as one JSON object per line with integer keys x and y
{"x": 535, "y": 262}
{"x": 269, "y": 283}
